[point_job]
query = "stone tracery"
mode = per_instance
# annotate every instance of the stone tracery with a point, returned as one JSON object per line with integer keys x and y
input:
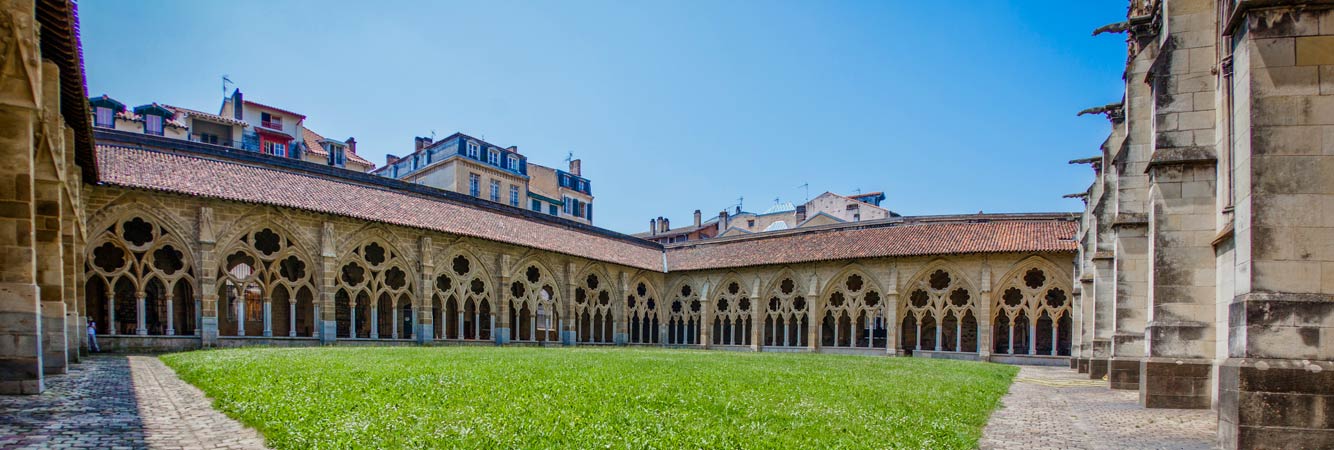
{"x": 940, "y": 313}
{"x": 461, "y": 301}
{"x": 264, "y": 287}
{"x": 732, "y": 317}
{"x": 1032, "y": 314}
{"x": 853, "y": 314}
{"x": 534, "y": 306}
{"x": 373, "y": 287}
{"x": 139, "y": 279}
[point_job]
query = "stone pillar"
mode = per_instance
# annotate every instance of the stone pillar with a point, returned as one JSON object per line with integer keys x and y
{"x": 705, "y": 323}
{"x": 502, "y": 334}
{"x": 48, "y": 205}
{"x": 892, "y": 319}
{"x": 1274, "y": 249}
{"x": 291, "y": 317}
{"x": 240, "y": 314}
{"x": 757, "y": 317}
{"x": 1102, "y": 315}
{"x": 425, "y": 323}
{"x": 983, "y": 310}
{"x": 20, "y": 302}
{"x": 171, "y": 317}
{"x": 207, "y": 328}
{"x": 569, "y": 331}
{"x": 328, "y": 319}
{"x": 375, "y": 318}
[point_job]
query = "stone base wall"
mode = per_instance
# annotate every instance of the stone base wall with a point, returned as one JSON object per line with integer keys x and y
{"x": 1276, "y": 404}
{"x": 1123, "y": 373}
{"x": 1169, "y": 383}
{"x": 1031, "y": 360}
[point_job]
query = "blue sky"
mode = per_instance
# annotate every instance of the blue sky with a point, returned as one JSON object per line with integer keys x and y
{"x": 947, "y": 107}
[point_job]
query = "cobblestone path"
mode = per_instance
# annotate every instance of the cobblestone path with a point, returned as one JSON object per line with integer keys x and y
{"x": 1056, "y": 408}
{"x": 111, "y": 402}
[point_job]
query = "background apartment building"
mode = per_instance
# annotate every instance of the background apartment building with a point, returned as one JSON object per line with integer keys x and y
{"x": 468, "y": 165}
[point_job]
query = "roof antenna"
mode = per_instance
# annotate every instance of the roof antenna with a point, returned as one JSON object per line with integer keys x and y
{"x": 432, "y": 135}
{"x": 225, "y": 82}
{"x": 569, "y": 157}
{"x": 807, "y": 187}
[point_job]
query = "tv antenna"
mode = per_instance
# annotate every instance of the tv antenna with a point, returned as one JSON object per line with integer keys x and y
{"x": 807, "y": 187}
{"x": 225, "y": 81}
{"x": 569, "y": 157}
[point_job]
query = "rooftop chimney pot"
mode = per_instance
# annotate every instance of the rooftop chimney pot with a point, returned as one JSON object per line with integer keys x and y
{"x": 575, "y": 168}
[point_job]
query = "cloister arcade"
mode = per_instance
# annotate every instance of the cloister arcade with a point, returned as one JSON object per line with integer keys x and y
{"x": 142, "y": 280}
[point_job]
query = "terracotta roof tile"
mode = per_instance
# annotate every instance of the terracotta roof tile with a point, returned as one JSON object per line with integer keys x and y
{"x": 313, "y": 145}
{"x": 228, "y": 180}
{"x": 901, "y": 240}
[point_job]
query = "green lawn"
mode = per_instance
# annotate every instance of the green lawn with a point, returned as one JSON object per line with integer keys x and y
{"x": 489, "y": 397}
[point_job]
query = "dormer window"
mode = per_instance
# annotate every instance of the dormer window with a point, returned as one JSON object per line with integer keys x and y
{"x": 336, "y": 156}
{"x": 474, "y": 150}
{"x": 513, "y": 162}
{"x": 493, "y": 157}
{"x": 104, "y": 117}
{"x": 270, "y": 121}
{"x": 153, "y": 124}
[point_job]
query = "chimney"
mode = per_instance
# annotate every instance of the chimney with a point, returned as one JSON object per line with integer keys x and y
{"x": 351, "y": 144}
{"x": 666, "y": 224}
{"x": 513, "y": 148}
{"x": 801, "y": 213}
{"x": 236, "y": 104}
{"x": 389, "y": 160}
{"x": 697, "y": 218}
{"x": 738, "y": 209}
{"x": 418, "y": 143}
{"x": 722, "y": 221}
{"x": 653, "y": 227}
{"x": 575, "y": 168}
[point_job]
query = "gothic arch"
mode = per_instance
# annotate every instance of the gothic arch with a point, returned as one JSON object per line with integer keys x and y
{"x": 852, "y": 311}
{"x": 642, "y": 305}
{"x": 939, "y": 312}
{"x": 593, "y": 306}
{"x": 1031, "y": 313}
{"x": 271, "y": 217}
{"x": 138, "y": 266}
{"x": 533, "y": 301}
{"x": 787, "y": 311}
{"x": 733, "y": 312}
{"x": 127, "y": 205}
{"x": 462, "y": 296}
{"x": 684, "y": 314}
{"x": 266, "y": 283}
{"x": 373, "y": 286}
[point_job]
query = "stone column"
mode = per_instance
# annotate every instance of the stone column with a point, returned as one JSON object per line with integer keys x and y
{"x": 375, "y": 318}
{"x": 891, "y": 311}
{"x": 291, "y": 318}
{"x": 140, "y": 314}
{"x": 207, "y": 328}
{"x": 171, "y": 317}
{"x": 705, "y": 323}
{"x": 268, "y": 317}
{"x": 240, "y": 314}
{"x": 756, "y": 318}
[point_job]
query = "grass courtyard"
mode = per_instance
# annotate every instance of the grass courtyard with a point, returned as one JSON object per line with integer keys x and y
{"x": 489, "y": 397}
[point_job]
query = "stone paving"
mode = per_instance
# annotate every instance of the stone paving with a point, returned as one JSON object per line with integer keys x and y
{"x": 1056, "y": 408}
{"x": 114, "y": 402}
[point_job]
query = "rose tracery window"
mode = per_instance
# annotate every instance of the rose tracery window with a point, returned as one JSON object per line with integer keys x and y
{"x": 265, "y": 288}
{"x": 732, "y": 324}
{"x": 373, "y": 295}
{"x": 134, "y": 266}
{"x": 592, "y": 311}
{"x": 940, "y": 314}
{"x": 462, "y": 291}
{"x": 1032, "y": 315}
{"x": 853, "y": 315}
{"x": 534, "y": 306}
{"x": 787, "y": 316}
{"x": 684, "y": 317}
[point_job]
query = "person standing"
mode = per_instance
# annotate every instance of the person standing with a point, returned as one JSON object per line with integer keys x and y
{"x": 92, "y": 336}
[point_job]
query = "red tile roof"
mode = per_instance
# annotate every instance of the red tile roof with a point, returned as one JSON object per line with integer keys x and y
{"x": 313, "y": 145}
{"x": 261, "y": 105}
{"x": 229, "y": 180}
{"x": 899, "y": 240}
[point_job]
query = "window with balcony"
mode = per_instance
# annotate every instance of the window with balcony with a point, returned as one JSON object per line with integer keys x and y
{"x": 153, "y": 124}
{"x": 270, "y": 121}
{"x": 104, "y": 117}
{"x": 495, "y": 191}
{"x": 474, "y": 185}
{"x": 208, "y": 138}
{"x": 514, "y": 196}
